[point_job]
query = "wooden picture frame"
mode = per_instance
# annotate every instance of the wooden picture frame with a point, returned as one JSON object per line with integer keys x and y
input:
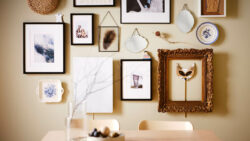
{"x": 88, "y": 21}
{"x": 94, "y": 4}
{"x": 114, "y": 44}
{"x": 165, "y": 104}
{"x": 212, "y": 8}
{"x": 128, "y": 91}
{"x": 43, "y": 48}
{"x": 137, "y": 15}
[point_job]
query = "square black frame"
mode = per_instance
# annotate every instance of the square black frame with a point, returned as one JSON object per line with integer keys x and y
{"x": 121, "y": 63}
{"x": 24, "y": 44}
{"x": 145, "y": 22}
{"x": 99, "y": 37}
{"x": 74, "y": 4}
{"x": 71, "y": 24}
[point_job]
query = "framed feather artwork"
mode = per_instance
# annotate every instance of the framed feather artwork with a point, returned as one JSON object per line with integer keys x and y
{"x": 185, "y": 80}
{"x": 109, "y": 36}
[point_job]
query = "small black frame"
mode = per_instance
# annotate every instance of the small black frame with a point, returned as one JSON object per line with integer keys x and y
{"x": 24, "y": 46}
{"x": 146, "y": 60}
{"x": 99, "y": 37}
{"x": 93, "y": 33}
{"x": 74, "y": 4}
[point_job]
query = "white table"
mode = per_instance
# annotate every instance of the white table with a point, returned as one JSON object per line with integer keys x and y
{"x": 148, "y": 135}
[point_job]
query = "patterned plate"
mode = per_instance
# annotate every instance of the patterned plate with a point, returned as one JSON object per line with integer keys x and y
{"x": 207, "y": 33}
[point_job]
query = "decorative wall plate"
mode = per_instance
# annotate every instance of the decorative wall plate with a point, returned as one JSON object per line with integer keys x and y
{"x": 43, "y": 6}
{"x": 185, "y": 21}
{"x": 50, "y": 91}
{"x": 136, "y": 42}
{"x": 207, "y": 33}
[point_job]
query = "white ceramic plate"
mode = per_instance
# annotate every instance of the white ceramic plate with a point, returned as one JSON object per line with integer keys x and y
{"x": 185, "y": 21}
{"x": 50, "y": 91}
{"x": 207, "y": 33}
{"x": 136, "y": 43}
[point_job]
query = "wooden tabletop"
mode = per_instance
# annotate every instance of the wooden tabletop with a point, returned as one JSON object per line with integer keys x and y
{"x": 147, "y": 135}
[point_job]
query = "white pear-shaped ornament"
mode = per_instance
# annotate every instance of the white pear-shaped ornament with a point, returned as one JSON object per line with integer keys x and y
{"x": 136, "y": 43}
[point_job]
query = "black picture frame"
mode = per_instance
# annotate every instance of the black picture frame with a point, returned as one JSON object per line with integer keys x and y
{"x": 99, "y": 37}
{"x": 121, "y": 76}
{"x": 122, "y": 22}
{"x": 75, "y": 5}
{"x": 72, "y": 22}
{"x": 24, "y": 47}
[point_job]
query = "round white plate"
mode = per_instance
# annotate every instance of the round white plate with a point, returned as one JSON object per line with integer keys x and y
{"x": 185, "y": 21}
{"x": 207, "y": 33}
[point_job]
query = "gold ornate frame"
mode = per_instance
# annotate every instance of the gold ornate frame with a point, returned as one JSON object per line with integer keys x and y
{"x": 165, "y": 105}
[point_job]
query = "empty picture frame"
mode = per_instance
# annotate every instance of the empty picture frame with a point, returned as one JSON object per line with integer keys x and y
{"x": 199, "y": 89}
{"x": 43, "y": 48}
{"x": 93, "y": 84}
{"x": 145, "y": 11}
{"x": 108, "y": 39}
{"x": 136, "y": 79}
{"x": 82, "y": 28}
{"x": 93, "y": 3}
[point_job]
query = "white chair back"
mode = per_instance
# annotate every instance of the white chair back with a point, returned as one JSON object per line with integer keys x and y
{"x": 165, "y": 125}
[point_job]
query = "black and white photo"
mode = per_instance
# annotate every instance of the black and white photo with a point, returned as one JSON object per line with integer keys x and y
{"x": 145, "y": 11}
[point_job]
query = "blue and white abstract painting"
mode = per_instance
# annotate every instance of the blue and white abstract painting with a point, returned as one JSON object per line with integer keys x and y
{"x": 44, "y": 48}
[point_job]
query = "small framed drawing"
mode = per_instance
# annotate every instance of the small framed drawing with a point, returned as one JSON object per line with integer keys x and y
{"x": 108, "y": 39}
{"x": 145, "y": 11}
{"x": 93, "y": 3}
{"x": 136, "y": 79}
{"x": 185, "y": 80}
{"x": 82, "y": 29}
{"x": 43, "y": 49}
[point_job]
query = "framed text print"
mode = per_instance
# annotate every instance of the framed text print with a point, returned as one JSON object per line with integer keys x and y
{"x": 145, "y": 11}
{"x": 93, "y": 3}
{"x": 136, "y": 79}
{"x": 43, "y": 48}
{"x": 82, "y": 29}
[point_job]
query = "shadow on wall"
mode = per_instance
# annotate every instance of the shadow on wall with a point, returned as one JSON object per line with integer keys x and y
{"x": 232, "y": 8}
{"x": 221, "y": 38}
{"x": 220, "y": 84}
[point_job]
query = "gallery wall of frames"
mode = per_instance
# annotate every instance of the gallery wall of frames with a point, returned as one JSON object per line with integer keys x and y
{"x": 44, "y": 53}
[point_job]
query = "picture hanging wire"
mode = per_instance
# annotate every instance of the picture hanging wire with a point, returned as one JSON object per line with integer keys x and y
{"x": 108, "y": 13}
{"x": 136, "y": 32}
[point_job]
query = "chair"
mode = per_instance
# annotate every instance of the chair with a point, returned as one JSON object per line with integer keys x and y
{"x": 165, "y": 125}
{"x": 111, "y": 123}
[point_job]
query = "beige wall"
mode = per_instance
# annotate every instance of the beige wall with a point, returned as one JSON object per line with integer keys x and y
{"x": 23, "y": 118}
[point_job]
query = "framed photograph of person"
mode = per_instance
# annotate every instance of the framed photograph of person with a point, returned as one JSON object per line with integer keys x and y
{"x": 136, "y": 79}
{"x": 82, "y": 29}
{"x": 145, "y": 11}
{"x": 43, "y": 48}
{"x": 108, "y": 39}
{"x": 93, "y": 3}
